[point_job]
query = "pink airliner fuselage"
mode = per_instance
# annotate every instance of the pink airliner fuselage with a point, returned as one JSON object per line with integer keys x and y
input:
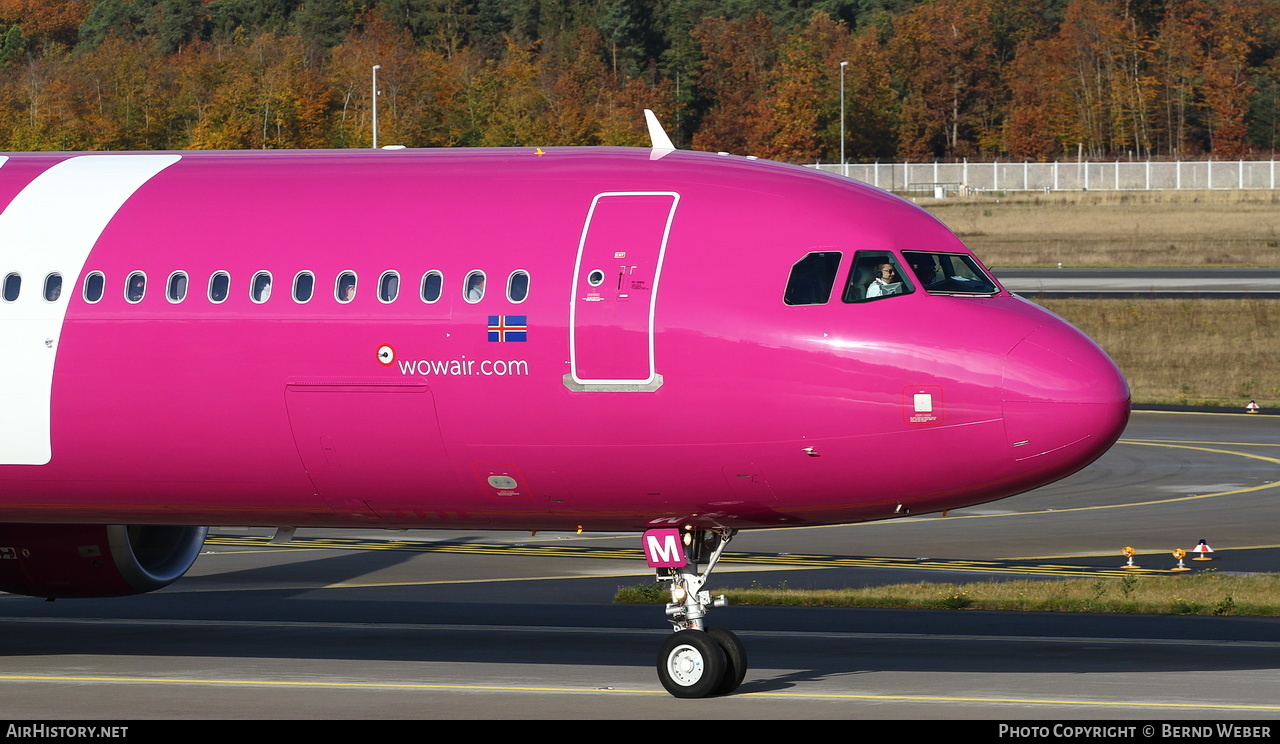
{"x": 663, "y": 339}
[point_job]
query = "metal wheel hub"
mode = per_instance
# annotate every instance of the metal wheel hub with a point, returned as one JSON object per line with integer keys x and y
{"x": 685, "y": 665}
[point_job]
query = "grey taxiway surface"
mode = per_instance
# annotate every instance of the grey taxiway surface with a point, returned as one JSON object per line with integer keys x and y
{"x": 497, "y": 625}
{"x": 1142, "y": 283}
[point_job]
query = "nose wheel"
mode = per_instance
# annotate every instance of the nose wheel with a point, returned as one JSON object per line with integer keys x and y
{"x": 696, "y": 660}
{"x": 691, "y": 664}
{"x": 735, "y": 659}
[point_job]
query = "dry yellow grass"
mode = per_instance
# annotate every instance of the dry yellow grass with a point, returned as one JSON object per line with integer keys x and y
{"x": 1157, "y": 228}
{"x": 1187, "y": 352}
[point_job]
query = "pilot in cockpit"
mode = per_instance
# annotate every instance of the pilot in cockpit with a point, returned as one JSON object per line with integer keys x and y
{"x": 886, "y": 282}
{"x": 925, "y": 269}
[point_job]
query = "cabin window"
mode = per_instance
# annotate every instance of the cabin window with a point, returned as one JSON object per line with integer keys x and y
{"x": 94, "y": 284}
{"x": 518, "y": 286}
{"x": 474, "y": 287}
{"x": 135, "y": 287}
{"x": 53, "y": 287}
{"x": 389, "y": 287}
{"x": 949, "y": 273}
{"x": 219, "y": 287}
{"x": 432, "y": 286}
{"x": 304, "y": 285}
{"x": 812, "y": 278}
{"x": 177, "y": 287}
{"x": 260, "y": 287}
{"x": 344, "y": 289}
{"x": 12, "y": 286}
{"x": 875, "y": 276}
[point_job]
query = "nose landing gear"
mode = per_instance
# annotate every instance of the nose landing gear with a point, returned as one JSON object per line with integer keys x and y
{"x": 696, "y": 660}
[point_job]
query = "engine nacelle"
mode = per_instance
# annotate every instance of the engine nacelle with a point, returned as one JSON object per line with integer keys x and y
{"x": 94, "y": 560}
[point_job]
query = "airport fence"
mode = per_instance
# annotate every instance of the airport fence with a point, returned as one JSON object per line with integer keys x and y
{"x": 949, "y": 179}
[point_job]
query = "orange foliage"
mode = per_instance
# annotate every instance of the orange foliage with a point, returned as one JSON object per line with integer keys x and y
{"x": 45, "y": 18}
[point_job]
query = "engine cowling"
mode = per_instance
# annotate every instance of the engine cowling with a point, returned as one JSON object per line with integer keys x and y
{"x": 94, "y": 560}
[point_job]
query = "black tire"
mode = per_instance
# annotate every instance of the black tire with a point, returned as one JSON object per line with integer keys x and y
{"x": 691, "y": 664}
{"x": 735, "y": 656}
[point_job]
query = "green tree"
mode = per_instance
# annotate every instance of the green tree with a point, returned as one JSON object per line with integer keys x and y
{"x": 250, "y": 17}
{"x": 13, "y": 46}
{"x": 123, "y": 18}
{"x": 738, "y": 55}
{"x": 324, "y": 23}
{"x": 173, "y": 23}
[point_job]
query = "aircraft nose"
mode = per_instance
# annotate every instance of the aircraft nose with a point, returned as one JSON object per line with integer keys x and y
{"x": 1065, "y": 402}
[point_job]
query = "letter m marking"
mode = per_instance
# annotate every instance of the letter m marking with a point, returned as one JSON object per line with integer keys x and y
{"x": 662, "y": 548}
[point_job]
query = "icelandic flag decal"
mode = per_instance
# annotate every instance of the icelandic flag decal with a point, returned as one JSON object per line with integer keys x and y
{"x": 503, "y": 328}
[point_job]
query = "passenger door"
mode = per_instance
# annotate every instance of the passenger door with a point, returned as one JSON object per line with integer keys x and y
{"x": 615, "y": 289}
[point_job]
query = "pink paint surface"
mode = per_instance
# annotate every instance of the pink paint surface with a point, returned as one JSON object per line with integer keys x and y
{"x": 767, "y": 415}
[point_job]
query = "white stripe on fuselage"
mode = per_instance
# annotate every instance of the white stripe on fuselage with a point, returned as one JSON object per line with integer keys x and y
{"x": 50, "y": 226}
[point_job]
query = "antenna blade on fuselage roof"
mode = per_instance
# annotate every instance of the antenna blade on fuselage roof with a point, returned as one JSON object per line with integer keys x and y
{"x": 657, "y": 135}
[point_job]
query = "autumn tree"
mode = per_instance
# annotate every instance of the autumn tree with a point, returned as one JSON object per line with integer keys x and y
{"x": 259, "y": 94}
{"x": 945, "y": 59}
{"x": 44, "y": 21}
{"x": 738, "y": 55}
{"x": 1096, "y": 89}
{"x": 1181, "y": 66}
{"x": 1035, "y": 78}
{"x": 1228, "y": 85}
{"x": 803, "y": 93}
{"x": 870, "y": 103}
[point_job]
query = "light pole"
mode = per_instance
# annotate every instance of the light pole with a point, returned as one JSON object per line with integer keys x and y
{"x": 842, "y": 66}
{"x": 375, "y": 105}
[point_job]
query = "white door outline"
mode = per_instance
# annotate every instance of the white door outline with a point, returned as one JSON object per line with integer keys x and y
{"x": 578, "y": 268}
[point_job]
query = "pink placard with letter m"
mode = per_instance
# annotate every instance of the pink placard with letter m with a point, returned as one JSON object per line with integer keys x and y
{"x": 663, "y": 549}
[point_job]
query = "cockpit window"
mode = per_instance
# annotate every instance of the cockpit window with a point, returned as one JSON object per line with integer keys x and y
{"x": 949, "y": 273}
{"x": 875, "y": 276}
{"x": 812, "y": 278}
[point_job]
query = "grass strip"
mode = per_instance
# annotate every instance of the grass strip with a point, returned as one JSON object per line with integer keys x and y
{"x": 1187, "y": 352}
{"x": 1205, "y": 229}
{"x": 1204, "y": 593}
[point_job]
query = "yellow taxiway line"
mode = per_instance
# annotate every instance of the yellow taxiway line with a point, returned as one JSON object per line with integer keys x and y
{"x": 625, "y": 691}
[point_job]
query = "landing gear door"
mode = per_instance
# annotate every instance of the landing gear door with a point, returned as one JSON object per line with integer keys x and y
{"x": 615, "y": 291}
